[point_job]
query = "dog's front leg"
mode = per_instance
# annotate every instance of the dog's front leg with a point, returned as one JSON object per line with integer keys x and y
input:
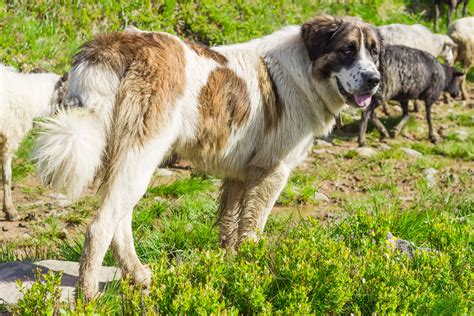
{"x": 261, "y": 192}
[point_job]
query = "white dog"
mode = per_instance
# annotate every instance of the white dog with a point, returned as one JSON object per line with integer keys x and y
{"x": 247, "y": 112}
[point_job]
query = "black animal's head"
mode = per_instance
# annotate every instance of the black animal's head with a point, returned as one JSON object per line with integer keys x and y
{"x": 453, "y": 80}
{"x": 346, "y": 52}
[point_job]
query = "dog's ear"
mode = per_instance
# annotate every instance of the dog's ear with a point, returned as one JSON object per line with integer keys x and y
{"x": 381, "y": 50}
{"x": 318, "y": 32}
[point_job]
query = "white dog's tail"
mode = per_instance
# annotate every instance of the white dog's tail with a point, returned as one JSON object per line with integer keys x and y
{"x": 70, "y": 149}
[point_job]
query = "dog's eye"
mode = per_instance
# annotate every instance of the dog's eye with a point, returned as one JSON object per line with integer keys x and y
{"x": 347, "y": 50}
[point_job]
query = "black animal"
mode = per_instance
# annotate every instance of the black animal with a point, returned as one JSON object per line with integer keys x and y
{"x": 452, "y": 5}
{"x": 410, "y": 74}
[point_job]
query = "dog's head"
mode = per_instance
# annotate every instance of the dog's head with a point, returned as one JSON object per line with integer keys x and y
{"x": 346, "y": 53}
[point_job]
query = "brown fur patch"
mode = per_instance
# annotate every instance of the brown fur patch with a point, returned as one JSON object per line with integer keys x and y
{"x": 153, "y": 79}
{"x": 205, "y": 51}
{"x": 272, "y": 106}
{"x": 224, "y": 103}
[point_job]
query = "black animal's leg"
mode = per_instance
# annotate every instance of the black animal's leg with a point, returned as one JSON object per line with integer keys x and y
{"x": 464, "y": 7}
{"x": 397, "y": 129}
{"x": 379, "y": 125}
{"x": 433, "y": 137}
{"x": 436, "y": 16}
{"x": 363, "y": 126}
{"x": 450, "y": 14}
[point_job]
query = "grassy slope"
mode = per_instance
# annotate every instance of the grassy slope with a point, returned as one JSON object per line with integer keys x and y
{"x": 341, "y": 265}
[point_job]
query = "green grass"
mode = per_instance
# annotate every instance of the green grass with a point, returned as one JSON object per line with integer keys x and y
{"x": 304, "y": 266}
{"x": 46, "y": 33}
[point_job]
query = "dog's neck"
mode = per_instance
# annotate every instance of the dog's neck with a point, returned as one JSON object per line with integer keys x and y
{"x": 290, "y": 66}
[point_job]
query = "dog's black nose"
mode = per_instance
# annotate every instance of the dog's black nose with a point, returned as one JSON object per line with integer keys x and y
{"x": 371, "y": 79}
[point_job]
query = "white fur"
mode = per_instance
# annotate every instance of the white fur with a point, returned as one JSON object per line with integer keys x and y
{"x": 70, "y": 149}
{"x": 70, "y": 152}
{"x": 23, "y": 97}
{"x": 419, "y": 37}
{"x": 462, "y": 32}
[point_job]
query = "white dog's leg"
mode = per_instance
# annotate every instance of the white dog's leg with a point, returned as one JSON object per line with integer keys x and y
{"x": 124, "y": 250}
{"x": 8, "y": 206}
{"x": 119, "y": 197}
{"x": 229, "y": 212}
{"x": 261, "y": 192}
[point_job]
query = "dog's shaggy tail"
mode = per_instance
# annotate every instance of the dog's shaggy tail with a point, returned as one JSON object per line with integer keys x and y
{"x": 69, "y": 150}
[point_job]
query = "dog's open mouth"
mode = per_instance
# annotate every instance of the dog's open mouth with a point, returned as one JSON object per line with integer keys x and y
{"x": 360, "y": 101}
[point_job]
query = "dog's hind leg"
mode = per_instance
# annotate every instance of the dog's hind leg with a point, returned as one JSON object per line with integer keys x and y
{"x": 133, "y": 171}
{"x": 261, "y": 192}
{"x": 229, "y": 212}
{"x": 405, "y": 117}
{"x": 8, "y": 206}
{"x": 124, "y": 250}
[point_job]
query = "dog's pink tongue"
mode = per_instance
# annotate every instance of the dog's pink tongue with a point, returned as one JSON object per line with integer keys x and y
{"x": 363, "y": 100}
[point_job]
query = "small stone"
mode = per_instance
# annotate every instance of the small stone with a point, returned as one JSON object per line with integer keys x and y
{"x": 162, "y": 172}
{"x": 411, "y": 152}
{"x": 366, "y": 152}
{"x": 462, "y": 134}
{"x": 322, "y": 151}
{"x": 5, "y": 228}
{"x": 57, "y": 196}
{"x": 318, "y": 196}
{"x": 383, "y": 146}
{"x": 21, "y": 225}
{"x": 322, "y": 142}
{"x": 395, "y": 243}
{"x": 430, "y": 176}
{"x": 62, "y": 203}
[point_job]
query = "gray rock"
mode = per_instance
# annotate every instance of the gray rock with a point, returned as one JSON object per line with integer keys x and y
{"x": 405, "y": 247}
{"x": 163, "y": 172}
{"x": 322, "y": 142}
{"x": 383, "y": 146}
{"x": 10, "y": 272}
{"x": 430, "y": 176}
{"x": 322, "y": 151}
{"x": 318, "y": 196}
{"x": 411, "y": 152}
{"x": 395, "y": 243}
{"x": 62, "y": 203}
{"x": 366, "y": 152}
{"x": 57, "y": 196}
{"x": 462, "y": 134}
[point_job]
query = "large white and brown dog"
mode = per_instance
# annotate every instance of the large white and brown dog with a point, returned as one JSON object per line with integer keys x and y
{"x": 246, "y": 112}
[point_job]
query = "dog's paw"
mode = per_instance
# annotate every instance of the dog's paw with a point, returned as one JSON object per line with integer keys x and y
{"x": 142, "y": 276}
